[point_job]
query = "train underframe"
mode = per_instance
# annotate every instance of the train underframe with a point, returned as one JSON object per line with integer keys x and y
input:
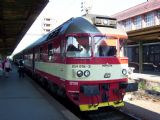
{"x": 88, "y": 95}
{"x": 92, "y": 95}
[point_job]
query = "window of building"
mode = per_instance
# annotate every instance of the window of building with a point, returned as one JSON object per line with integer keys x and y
{"x": 47, "y": 30}
{"x": 48, "y": 25}
{"x": 158, "y": 15}
{"x": 133, "y": 55}
{"x": 138, "y": 22}
{"x": 128, "y": 25}
{"x": 149, "y": 19}
{"x": 120, "y": 24}
{"x": 47, "y": 19}
{"x": 151, "y": 57}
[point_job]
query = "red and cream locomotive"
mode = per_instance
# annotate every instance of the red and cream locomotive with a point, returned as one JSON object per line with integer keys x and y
{"x": 82, "y": 59}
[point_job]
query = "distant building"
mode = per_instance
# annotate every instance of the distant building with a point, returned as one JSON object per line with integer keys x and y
{"x": 47, "y": 24}
{"x": 142, "y": 23}
{"x": 144, "y": 15}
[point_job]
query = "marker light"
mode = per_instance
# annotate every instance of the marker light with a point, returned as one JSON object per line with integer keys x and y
{"x": 86, "y": 73}
{"x": 124, "y": 72}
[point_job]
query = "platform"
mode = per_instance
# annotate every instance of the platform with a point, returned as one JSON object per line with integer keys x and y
{"x": 148, "y": 77}
{"x": 144, "y": 107}
{"x": 23, "y": 99}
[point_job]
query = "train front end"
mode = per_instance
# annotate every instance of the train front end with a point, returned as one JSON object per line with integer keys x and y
{"x": 96, "y": 68}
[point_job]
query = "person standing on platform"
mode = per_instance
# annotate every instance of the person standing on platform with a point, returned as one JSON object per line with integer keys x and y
{"x": 1, "y": 68}
{"x": 7, "y": 67}
{"x": 21, "y": 68}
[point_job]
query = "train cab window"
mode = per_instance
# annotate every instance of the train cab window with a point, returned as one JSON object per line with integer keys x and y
{"x": 122, "y": 49}
{"x": 105, "y": 46}
{"x": 78, "y": 46}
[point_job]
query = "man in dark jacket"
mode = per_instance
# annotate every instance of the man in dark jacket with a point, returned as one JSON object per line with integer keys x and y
{"x": 21, "y": 68}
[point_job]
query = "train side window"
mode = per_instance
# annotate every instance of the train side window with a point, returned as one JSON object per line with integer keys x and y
{"x": 50, "y": 51}
{"x": 40, "y": 54}
{"x": 62, "y": 49}
{"x": 36, "y": 54}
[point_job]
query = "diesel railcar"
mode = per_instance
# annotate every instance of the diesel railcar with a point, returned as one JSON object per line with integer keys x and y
{"x": 82, "y": 59}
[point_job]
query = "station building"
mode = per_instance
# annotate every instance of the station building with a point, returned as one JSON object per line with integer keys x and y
{"x": 142, "y": 23}
{"x": 47, "y": 24}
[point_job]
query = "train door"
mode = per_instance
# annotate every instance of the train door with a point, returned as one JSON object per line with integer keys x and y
{"x": 33, "y": 60}
{"x": 62, "y": 50}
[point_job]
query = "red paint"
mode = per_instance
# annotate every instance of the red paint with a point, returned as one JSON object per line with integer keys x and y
{"x": 114, "y": 93}
{"x": 109, "y": 60}
{"x": 54, "y": 79}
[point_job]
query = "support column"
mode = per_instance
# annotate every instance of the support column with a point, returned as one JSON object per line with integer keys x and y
{"x": 143, "y": 21}
{"x": 157, "y": 22}
{"x": 140, "y": 57}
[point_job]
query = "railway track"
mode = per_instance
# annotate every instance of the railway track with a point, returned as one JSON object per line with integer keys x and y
{"x": 106, "y": 113}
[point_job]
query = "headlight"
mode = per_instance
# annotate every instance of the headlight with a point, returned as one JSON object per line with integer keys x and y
{"x": 124, "y": 72}
{"x": 79, "y": 73}
{"x": 105, "y": 22}
{"x": 86, "y": 73}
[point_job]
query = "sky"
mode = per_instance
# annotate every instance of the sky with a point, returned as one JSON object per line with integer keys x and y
{"x": 62, "y": 10}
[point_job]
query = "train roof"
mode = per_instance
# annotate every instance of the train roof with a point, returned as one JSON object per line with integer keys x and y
{"x": 84, "y": 24}
{"x": 87, "y": 24}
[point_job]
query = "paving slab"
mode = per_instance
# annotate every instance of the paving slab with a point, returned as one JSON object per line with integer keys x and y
{"x": 22, "y": 99}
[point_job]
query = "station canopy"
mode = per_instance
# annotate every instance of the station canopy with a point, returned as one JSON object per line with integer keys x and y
{"x": 148, "y": 34}
{"x": 16, "y": 17}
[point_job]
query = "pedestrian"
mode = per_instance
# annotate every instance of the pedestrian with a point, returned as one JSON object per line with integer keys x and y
{"x": 7, "y": 67}
{"x": 3, "y": 62}
{"x": 21, "y": 68}
{"x": 1, "y": 68}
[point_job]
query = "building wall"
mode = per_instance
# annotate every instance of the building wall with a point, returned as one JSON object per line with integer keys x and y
{"x": 144, "y": 56}
{"x": 150, "y": 57}
{"x": 140, "y": 16}
{"x": 141, "y": 21}
{"x": 47, "y": 24}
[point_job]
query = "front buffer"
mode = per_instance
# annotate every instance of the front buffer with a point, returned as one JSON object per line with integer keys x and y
{"x": 90, "y": 96}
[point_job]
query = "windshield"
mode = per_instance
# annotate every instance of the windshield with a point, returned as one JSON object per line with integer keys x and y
{"x": 78, "y": 46}
{"x": 105, "y": 46}
{"x": 122, "y": 51}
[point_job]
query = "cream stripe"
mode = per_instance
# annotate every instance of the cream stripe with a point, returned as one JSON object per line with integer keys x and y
{"x": 97, "y": 72}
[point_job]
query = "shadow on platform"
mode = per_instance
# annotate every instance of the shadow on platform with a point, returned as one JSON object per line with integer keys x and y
{"x": 22, "y": 99}
{"x": 139, "y": 112}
